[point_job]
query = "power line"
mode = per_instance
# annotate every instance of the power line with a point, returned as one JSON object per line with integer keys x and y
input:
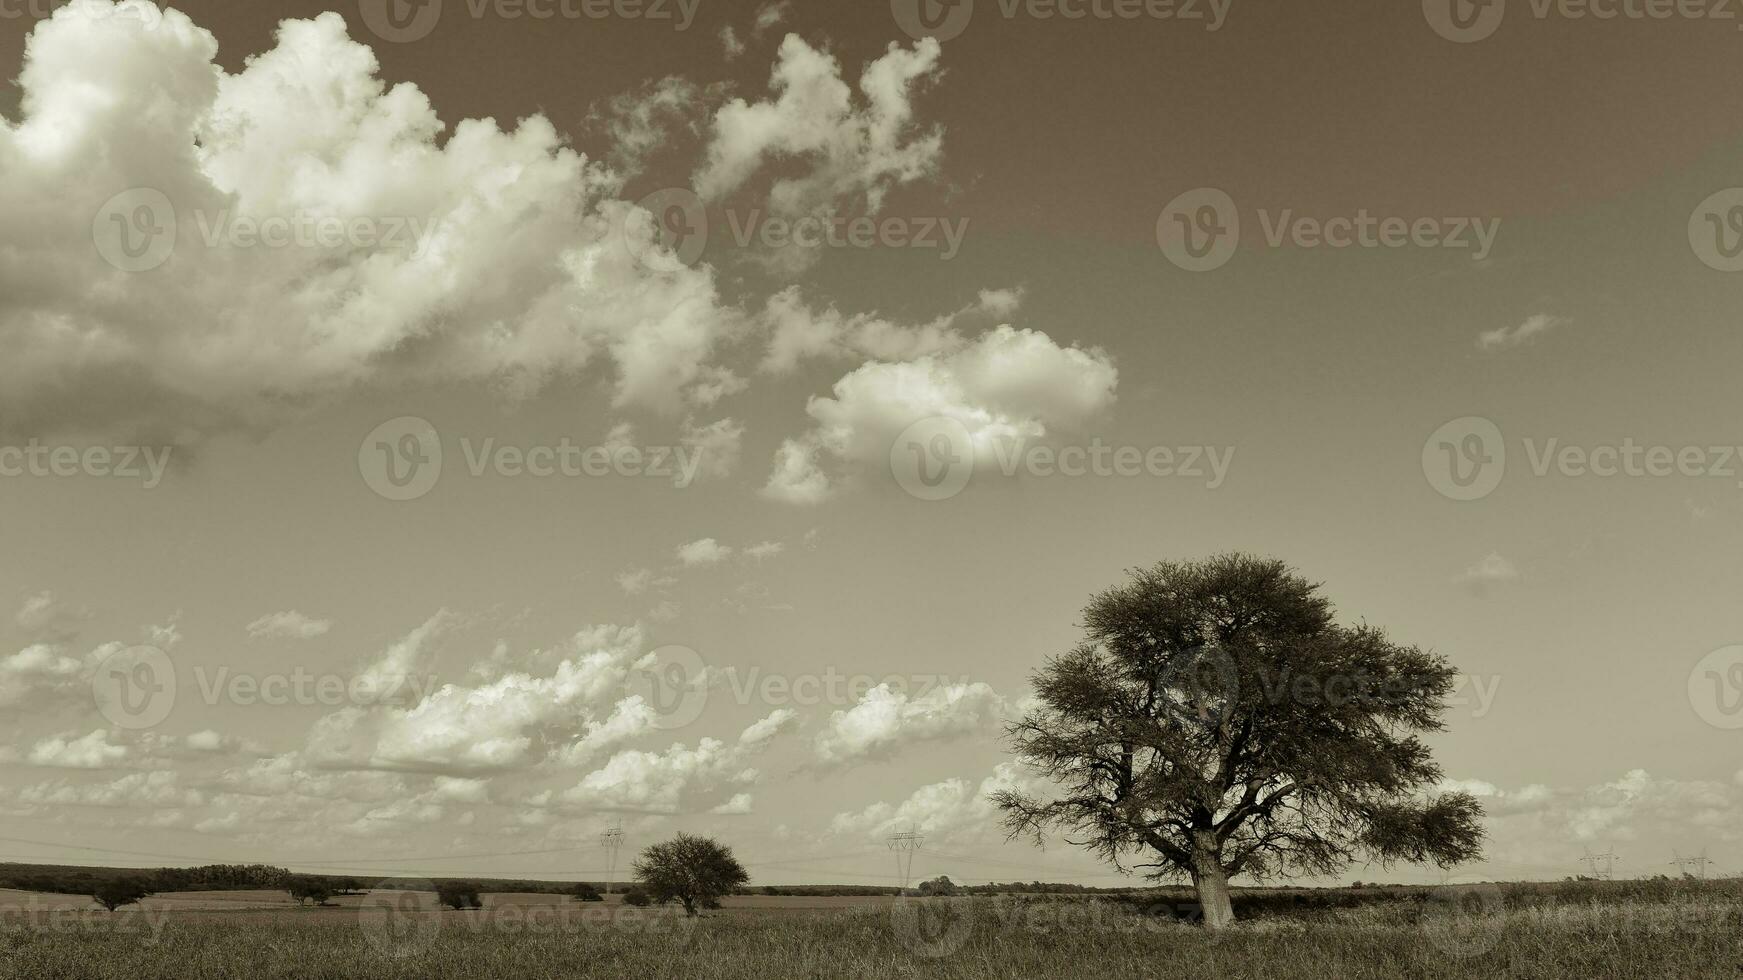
{"x": 905, "y": 845}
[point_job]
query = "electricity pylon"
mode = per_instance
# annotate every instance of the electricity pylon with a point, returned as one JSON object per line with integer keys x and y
{"x": 611, "y": 840}
{"x": 1608, "y": 858}
{"x": 905, "y": 845}
{"x": 1693, "y": 866}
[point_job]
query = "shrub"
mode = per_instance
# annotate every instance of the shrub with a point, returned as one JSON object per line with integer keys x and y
{"x": 586, "y": 892}
{"x": 638, "y": 897}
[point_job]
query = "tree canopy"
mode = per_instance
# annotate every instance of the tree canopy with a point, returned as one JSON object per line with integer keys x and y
{"x": 696, "y": 871}
{"x": 1218, "y": 721}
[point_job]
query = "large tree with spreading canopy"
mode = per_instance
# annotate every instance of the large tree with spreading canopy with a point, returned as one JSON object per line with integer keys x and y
{"x": 1217, "y": 721}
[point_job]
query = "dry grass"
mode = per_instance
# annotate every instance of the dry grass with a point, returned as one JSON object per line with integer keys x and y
{"x": 1523, "y": 933}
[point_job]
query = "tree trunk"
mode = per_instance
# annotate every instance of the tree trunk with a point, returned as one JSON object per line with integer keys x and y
{"x": 1212, "y": 883}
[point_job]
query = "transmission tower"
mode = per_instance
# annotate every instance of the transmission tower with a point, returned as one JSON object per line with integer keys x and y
{"x": 1693, "y": 866}
{"x": 611, "y": 840}
{"x": 1607, "y": 859}
{"x": 905, "y": 845}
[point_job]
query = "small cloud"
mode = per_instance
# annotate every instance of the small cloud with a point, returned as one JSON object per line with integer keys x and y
{"x": 1503, "y": 338}
{"x": 1493, "y": 570}
{"x": 764, "y": 549}
{"x": 706, "y": 551}
{"x": 290, "y": 625}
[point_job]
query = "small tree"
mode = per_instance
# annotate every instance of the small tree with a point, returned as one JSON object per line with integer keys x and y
{"x": 1216, "y": 721}
{"x": 458, "y": 895}
{"x": 586, "y": 892}
{"x": 116, "y": 892}
{"x": 693, "y": 870}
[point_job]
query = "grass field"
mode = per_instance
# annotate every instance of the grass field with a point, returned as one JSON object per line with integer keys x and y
{"x": 1622, "y": 930}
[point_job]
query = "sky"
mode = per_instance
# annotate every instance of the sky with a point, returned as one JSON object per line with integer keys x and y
{"x": 433, "y": 434}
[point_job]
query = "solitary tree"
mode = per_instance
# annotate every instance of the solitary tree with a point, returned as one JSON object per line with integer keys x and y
{"x": 1217, "y": 721}
{"x": 116, "y": 892}
{"x": 458, "y": 895}
{"x": 693, "y": 870}
{"x": 585, "y": 891}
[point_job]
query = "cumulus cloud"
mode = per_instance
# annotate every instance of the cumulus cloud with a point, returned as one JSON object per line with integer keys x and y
{"x": 1506, "y": 338}
{"x": 515, "y": 274}
{"x": 93, "y": 751}
{"x": 290, "y": 624}
{"x": 679, "y": 779}
{"x": 1536, "y": 824}
{"x": 954, "y": 808}
{"x": 850, "y": 149}
{"x": 886, "y": 720}
{"x": 705, "y": 551}
{"x": 509, "y": 721}
{"x": 1007, "y": 388}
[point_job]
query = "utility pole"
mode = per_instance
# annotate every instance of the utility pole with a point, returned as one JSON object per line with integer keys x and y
{"x": 1608, "y": 859}
{"x": 611, "y": 840}
{"x": 905, "y": 845}
{"x": 1693, "y": 866}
